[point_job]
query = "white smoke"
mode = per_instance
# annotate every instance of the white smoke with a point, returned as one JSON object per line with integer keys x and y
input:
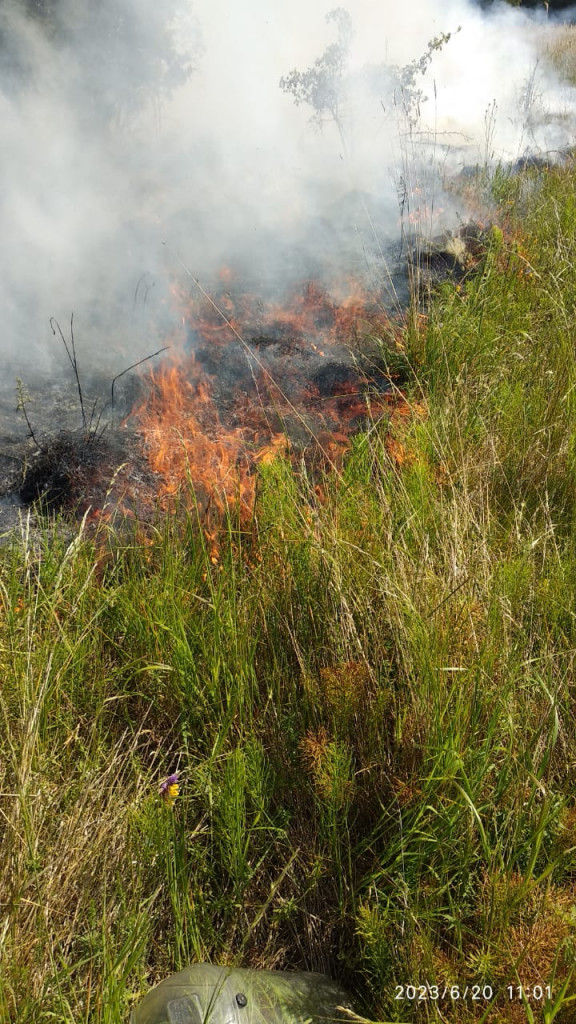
{"x": 109, "y": 150}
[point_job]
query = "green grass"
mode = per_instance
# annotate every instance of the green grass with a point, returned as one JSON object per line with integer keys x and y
{"x": 369, "y": 695}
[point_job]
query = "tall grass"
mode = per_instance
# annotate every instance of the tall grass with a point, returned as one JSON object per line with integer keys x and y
{"x": 560, "y": 50}
{"x": 368, "y": 693}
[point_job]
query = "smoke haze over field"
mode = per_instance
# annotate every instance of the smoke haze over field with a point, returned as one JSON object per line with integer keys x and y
{"x": 148, "y": 122}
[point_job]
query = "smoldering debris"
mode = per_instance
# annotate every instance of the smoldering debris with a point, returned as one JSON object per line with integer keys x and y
{"x": 93, "y": 460}
{"x": 78, "y": 471}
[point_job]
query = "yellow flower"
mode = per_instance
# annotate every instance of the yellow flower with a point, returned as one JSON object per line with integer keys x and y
{"x": 170, "y": 789}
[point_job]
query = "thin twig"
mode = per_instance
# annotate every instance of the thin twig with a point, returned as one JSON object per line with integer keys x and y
{"x": 448, "y": 596}
{"x": 147, "y": 288}
{"x": 137, "y": 289}
{"x": 104, "y": 428}
{"x": 77, "y": 375}
{"x": 91, "y": 420}
{"x": 22, "y": 398}
{"x": 72, "y": 358}
{"x": 139, "y": 363}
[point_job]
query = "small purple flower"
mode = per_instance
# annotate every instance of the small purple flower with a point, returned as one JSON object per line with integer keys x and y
{"x": 169, "y": 790}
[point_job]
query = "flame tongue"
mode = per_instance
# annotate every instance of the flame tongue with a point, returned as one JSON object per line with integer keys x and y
{"x": 183, "y": 433}
{"x": 243, "y": 383}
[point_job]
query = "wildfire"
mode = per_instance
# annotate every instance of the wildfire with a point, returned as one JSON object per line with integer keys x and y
{"x": 246, "y": 382}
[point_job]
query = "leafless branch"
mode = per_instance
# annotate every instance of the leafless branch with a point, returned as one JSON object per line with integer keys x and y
{"x": 134, "y": 365}
{"x": 72, "y": 358}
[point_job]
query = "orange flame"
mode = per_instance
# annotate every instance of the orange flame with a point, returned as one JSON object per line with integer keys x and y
{"x": 245, "y": 384}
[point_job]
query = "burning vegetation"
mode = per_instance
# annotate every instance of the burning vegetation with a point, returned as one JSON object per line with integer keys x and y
{"x": 243, "y": 380}
{"x": 246, "y": 381}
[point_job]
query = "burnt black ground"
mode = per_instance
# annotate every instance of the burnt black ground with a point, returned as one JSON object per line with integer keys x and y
{"x": 62, "y": 458}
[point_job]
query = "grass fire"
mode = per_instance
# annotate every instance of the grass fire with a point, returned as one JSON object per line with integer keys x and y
{"x": 287, "y": 511}
{"x": 245, "y": 383}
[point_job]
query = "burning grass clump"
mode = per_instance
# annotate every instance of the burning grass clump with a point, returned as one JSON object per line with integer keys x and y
{"x": 248, "y": 380}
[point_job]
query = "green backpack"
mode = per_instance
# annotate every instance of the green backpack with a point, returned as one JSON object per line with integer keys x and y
{"x": 206, "y": 994}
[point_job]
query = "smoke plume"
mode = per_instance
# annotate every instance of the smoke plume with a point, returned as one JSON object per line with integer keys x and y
{"x": 141, "y": 137}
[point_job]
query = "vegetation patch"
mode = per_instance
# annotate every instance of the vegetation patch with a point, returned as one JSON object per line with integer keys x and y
{"x": 366, "y": 692}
